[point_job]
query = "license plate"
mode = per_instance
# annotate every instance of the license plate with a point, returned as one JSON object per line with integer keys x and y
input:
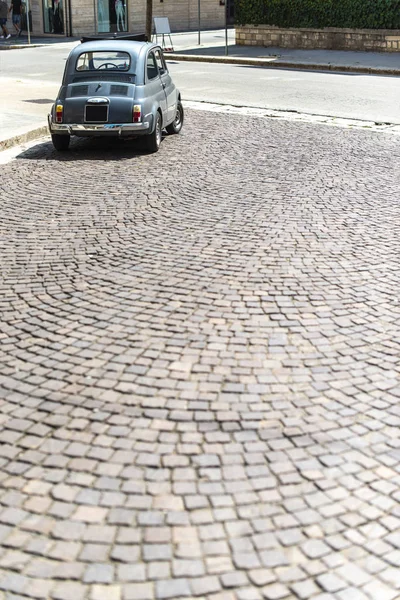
{"x": 95, "y": 113}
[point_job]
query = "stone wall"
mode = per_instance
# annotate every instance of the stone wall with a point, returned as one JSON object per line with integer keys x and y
{"x": 182, "y": 15}
{"x": 83, "y": 17}
{"x": 377, "y": 40}
{"x": 37, "y": 17}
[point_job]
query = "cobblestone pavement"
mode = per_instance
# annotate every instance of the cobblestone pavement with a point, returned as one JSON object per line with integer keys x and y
{"x": 199, "y": 367}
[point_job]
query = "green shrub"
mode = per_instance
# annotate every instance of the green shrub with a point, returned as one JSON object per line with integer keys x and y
{"x": 355, "y": 14}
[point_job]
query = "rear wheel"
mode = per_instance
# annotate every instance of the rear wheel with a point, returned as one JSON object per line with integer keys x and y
{"x": 176, "y": 125}
{"x": 153, "y": 140}
{"x": 60, "y": 142}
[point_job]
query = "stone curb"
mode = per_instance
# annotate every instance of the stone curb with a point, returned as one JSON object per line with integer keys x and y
{"x": 22, "y": 47}
{"x": 259, "y": 62}
{"x": 269, "y": 62}
{"x": 21, "y": 138}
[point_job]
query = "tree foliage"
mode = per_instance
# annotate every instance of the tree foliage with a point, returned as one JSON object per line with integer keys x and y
{"x": 354, "y": 14}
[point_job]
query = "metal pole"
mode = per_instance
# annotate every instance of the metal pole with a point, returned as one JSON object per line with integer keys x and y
{"x": 198, "y": 18}
{"x": 27, "y": 22}
{"x": 226, "y": 27}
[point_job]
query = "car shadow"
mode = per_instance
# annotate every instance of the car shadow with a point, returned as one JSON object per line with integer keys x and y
{"x": 107, "y": 149}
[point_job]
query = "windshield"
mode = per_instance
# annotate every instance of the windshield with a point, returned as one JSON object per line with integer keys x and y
{"x": 104, "y": 60}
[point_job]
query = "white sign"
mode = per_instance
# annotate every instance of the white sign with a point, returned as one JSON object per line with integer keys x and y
{"x": 161, "y": 25}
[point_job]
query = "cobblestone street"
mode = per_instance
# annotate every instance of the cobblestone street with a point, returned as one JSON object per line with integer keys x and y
{"x": 199, "y": 366}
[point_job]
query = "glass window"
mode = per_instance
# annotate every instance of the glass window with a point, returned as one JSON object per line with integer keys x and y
{"x": 104, "y": 60}
{"x": 160, "y": 61}
{"x": 53, "y": 16}
{"x": 112, "y": 16}
{"x": 152, "y": 70}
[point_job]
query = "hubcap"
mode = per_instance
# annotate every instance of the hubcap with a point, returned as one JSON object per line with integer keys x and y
{"x": 178, "y": 117}
{"x": 158, "y": 132}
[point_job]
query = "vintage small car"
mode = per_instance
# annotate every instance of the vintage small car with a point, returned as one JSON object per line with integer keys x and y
{"x": 116, "y": 87}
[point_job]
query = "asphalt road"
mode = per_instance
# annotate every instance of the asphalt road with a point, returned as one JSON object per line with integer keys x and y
{"x": 199, "y": 376}
{"x": 355, "y": 96}
{"x": 366, "y": 97}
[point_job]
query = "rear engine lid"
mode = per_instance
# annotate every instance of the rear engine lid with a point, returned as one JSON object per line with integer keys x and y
{"x": 100, "y": 88}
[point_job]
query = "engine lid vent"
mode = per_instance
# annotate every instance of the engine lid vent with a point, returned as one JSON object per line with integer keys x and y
{"x": 79, "y": 90}
{"x": 118, "y": 90}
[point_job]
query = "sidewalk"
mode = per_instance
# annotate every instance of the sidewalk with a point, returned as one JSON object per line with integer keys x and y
{"x": 379, "y": 63}
{"x": 186, "y": 48}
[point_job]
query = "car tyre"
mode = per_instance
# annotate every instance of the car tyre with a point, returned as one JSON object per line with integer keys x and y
{"x": 60, "y": 142}
{"x": 177, "y": 123}
{"x": 153, "y": 140}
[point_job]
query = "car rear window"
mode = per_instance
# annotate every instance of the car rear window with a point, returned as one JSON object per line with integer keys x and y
{"x": 104, "y": 60}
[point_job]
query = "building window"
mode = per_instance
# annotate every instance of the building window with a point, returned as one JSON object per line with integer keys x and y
{"x": 112, "y": 16}
{"x": 53, "y": 16}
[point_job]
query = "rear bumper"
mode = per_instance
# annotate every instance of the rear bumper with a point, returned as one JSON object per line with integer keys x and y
{"x": 111, "y": 129}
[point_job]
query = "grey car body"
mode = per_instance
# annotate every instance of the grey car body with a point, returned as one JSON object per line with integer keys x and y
{"x": 104, "y": 82}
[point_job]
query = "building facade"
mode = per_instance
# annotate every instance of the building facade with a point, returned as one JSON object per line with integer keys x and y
{"x": 88, "y": 17}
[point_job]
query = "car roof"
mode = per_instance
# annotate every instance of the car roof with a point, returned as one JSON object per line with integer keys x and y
{"x": 112, "y": 45}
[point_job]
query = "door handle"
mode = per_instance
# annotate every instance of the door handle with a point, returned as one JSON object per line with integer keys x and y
{"x": 164, "y": 86}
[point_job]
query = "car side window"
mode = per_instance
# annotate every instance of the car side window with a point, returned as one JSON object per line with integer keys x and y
{"x": 152, "y": 70}
{"x": 160, "y": 61}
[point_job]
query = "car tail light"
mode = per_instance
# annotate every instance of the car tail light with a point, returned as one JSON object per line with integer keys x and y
{"x": 137, "y": 113}
{"x": 59, "y": 113}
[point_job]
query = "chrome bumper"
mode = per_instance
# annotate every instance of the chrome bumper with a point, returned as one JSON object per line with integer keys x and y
{"x": 102, "y": 129}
